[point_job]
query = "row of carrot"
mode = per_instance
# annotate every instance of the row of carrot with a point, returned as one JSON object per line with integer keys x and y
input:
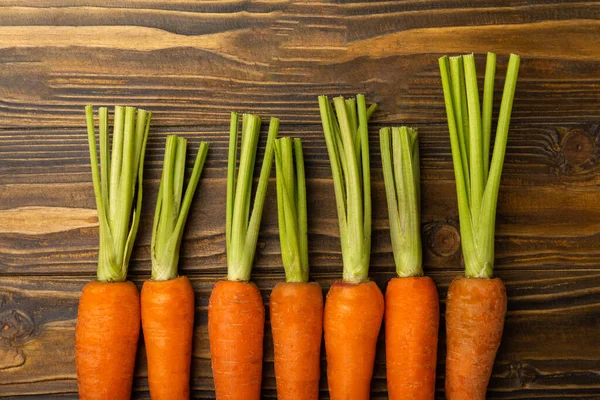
{"x": 111, "y": 309}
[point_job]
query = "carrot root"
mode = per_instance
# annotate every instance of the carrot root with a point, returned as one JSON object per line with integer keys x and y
{"x": 168, "y": 326}
{"x": 106, "y": 339}
{"x": 353, "y": 316}
{"x": 475, "y": 310}
{"x": 236, "y": 317}
{"x": 411, "y": 335}
{"x": 297, "y": 326}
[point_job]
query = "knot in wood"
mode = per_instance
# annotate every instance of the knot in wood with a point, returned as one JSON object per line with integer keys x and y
{"x": 444, "y": 240}
{"x": 577, "y": 147}
{"x": 15, "y": 327}
{"x": 525, "y": 373}
{"x": 578, "y": 150}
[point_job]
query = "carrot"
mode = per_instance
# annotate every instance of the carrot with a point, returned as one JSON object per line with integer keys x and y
{"x": 353, "y": 314}
{"x": 475, "y": 311}
{"x": 236, "y": 329}
{"x": 236, "y": 311}
{"x": 411, "y": 300}
{"x": 411, "y": 336}
{"x": 297, "y": 325}
{"x": 168, "y": 300}
{"x": 297, "y": 305}
{"x": 108, "y": 327}
{"x": 108, "y": 321}
{"x": 354, "y": 307}
{"x": 476, "y": 305}
{"x": 168, "y": 324}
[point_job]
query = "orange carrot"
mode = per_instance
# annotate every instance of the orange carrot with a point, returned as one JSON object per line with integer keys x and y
{"x": 353, "y": 314}
{"x": 106, "y": 337}
{"x": 168, "y": 300}
{"x": 236, "y": 313}
{"x": 476, "y": 304}
{"x": 354, "y": 307}
{"x": 296, "y": 305}
{"x": 297, "y": 324}
{"x": 168, "y": 323}
{"x": 108, "y": 323}
{"x": 411, "y": 300}
{"x": 411, "y": 335}
{"x": 236, "y": 328}
{"x": 475, "y": 311}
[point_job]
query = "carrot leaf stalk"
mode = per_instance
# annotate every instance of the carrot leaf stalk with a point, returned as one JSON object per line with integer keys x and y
{"x": 171, "y": 209}
{"x": 118, "y": 199}
{"x": 291, "y": 208}
{"x": 400, "y": 161}
{"x": 346, "y": 136}
{"x": 477, "y": 180}
{"x": 242, "y": 226}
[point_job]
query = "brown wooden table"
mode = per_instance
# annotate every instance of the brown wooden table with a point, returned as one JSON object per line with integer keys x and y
{"x": 193, "y": 62}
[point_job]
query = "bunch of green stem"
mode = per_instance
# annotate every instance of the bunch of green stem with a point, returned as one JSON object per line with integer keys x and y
{"x": 291, "y": 208}
{"x": 115, "y": 185}
{"x": 241, "y": 225}
{"x": 400, "y": 161}
{"x": 470, "y": 125}
{"x": 347, "y": 138}
{"x": 171, "y": 212}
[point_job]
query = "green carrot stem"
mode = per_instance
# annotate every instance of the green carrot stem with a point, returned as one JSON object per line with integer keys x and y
{"x": 250, "y": 133}
{"x": 400, "y": 162}
{"x": 171, "y": 210}
{"x": 346, "y": 136}
{"x": 179, "y": 175}
{"x": 116, "y": 160}
{"x": 166, "y": 212}
{"x": 477, "y": 201}
{"x": 475, "y": 140}
{"x": 459, "y": 99}
{"x": 242, "y": 227}
{"x": 121, "y": 225}
{"x": 104, "y": 157}
{"x": 115, "y": 185}
{"x": 231, "y": 181}
{"x": 301, "y": 202}
{"x": 291, "y": 208}
{"x": 487, "y": 108}
{"x": 365, "y": 168}
{"x": 251, "y": 156}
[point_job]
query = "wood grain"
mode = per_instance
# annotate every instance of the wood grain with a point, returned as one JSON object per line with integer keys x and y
{"x": 192, "y": 62}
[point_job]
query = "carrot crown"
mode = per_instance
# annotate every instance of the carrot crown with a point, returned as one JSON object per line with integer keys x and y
{"x": 347, "y": 138}
{"x": 171, "y": 212}
{"x": 291, "y": 208}
{"x": 115, "y": 185}
{"x": 241, "y": 226}
{"x": 477, "y": 180}
{"x": 400, "y": 162}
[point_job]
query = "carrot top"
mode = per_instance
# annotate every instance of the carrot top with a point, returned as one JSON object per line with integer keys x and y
{"x": 241, "y": 225}
{"x": 477, "y": 181}
{"x": 115, "y": 185}
{"x": 347, "y": 138}
{"x": 400, "y": 163}
{"x": 291, "y": 208}
{"x": 171, "y": 212}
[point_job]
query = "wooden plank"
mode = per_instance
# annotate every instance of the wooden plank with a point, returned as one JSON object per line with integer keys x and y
{"x": 193, "y": 65}
{"x": 531, "y": 233}
{"x": 548, "y": 311}
{"x": 537, "y": 154}
{"x": 542, "y": 163}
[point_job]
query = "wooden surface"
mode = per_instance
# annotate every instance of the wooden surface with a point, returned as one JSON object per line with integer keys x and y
{"x": 193, "y": 62}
